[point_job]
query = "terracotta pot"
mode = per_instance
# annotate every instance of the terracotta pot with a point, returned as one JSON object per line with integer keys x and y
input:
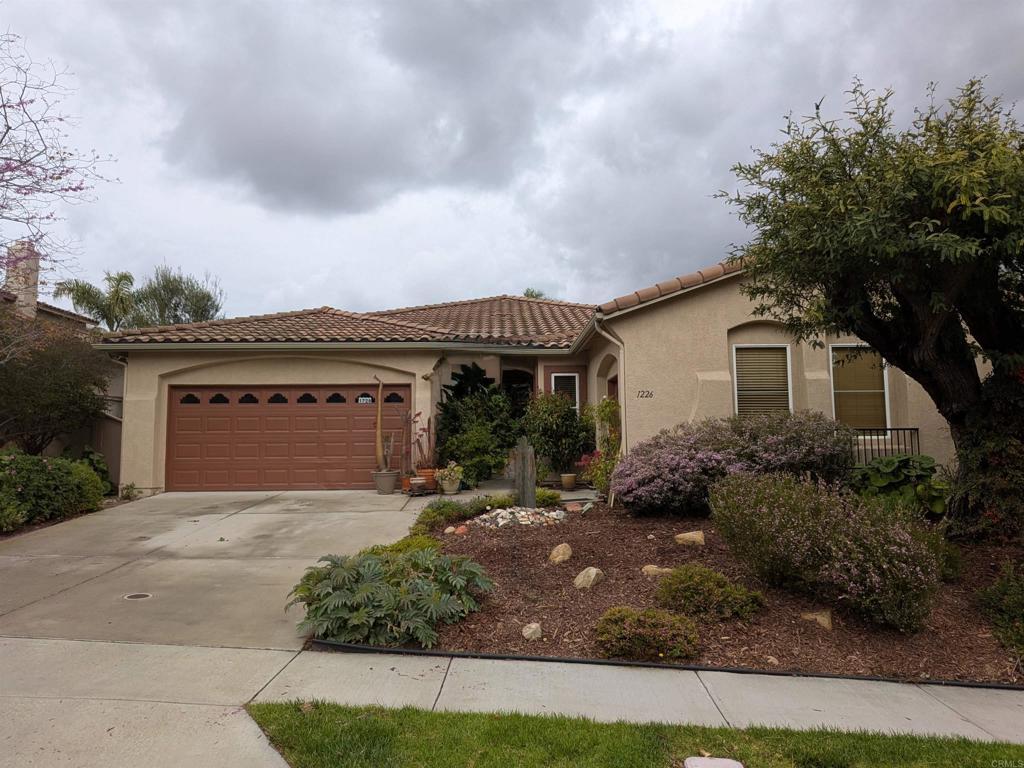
{"x": 427, "y": 474}
{"x": 386, "y": 481}
{"x": 405, "y": 483}
{"x": 568, "y": 481}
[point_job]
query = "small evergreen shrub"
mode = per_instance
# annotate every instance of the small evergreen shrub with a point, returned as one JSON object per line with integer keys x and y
{"x": 97, "y": 462}
{"x": 700, "y": 591}
{"x": 409, "y": 543}
{"x": 388, "y": 599}
{"x": 49, "y": 488}
{"x": 672, "y": 472}
{"x": 548, "y": 497}
{"x": 775, "y": 524}
{"x": 879, "y": 558}
{"x": 648, "y": 635}
{"x": 1003, "y": 605}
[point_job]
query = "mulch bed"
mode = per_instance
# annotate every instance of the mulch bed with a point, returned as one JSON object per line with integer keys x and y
{"x": 956, "y": 644}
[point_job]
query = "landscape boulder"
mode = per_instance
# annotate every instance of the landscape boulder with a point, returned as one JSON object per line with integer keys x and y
{"x": 691, "y": 539}
{"x": 655, "y": 571}
{"x": 588, "y": 577}
{"x": 560, "y": 554}
{"x": 532, "y": 631}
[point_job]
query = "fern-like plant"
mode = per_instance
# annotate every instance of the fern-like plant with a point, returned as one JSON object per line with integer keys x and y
{"x": 388, "y": 599}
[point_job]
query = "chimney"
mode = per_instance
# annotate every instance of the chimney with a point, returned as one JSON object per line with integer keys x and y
{"x": 23, "y": 276}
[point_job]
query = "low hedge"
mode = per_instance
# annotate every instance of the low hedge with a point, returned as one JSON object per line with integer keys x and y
{"x": 36, "y": 489}
{"x": 699, "y": 591}
{"x": 648, "y": 635}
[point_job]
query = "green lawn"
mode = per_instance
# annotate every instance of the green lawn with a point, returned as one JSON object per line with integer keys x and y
{"x": 318, "y": 735}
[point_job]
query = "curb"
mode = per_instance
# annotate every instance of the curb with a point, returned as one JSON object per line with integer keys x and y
{"x": 335, "y": 646}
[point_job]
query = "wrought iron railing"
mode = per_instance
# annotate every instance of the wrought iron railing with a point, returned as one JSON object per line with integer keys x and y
{"x": 872, "y": 443}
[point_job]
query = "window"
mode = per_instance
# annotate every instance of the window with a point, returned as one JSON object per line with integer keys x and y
{"x": 762, "y": 379}
{"x": 365, "y": 398}
{"x": 394, "y": 397}
{"x": 336, "y": 397}
{"x": 220, "y": 399}
{"x": 567, "y": 384}
{"x": 276, "y": 398}
{"x": 858, "y": 387}
{"x": 248, "y": 399}
{"x": 189, "y": 399}
{"x": 306, "y": 397}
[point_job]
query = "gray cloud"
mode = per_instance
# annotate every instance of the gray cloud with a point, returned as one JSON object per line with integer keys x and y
{"x": 367, "y": 154}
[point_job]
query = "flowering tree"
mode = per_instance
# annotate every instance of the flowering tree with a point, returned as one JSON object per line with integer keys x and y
{"x": 39, "y": 171}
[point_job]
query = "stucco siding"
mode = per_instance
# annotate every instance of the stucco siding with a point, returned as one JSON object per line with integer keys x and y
{"x": 679, "y": 366}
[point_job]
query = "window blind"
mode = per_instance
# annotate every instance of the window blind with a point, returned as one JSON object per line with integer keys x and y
{"x": 858, "y": 385}
{"x": 762, "y": 380}
{"x": 565, "y": 384}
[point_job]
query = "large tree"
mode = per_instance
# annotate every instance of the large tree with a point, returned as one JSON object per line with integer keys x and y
{"x": 913, "y": 240}
{"x": 169, "y": 296}
{"x": 51, "y": 385}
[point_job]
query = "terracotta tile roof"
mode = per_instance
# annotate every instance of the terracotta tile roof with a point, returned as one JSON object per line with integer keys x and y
{"x": 323, "y": 324}
{"x": 673, "y": 285}
{"x": 514, "y": 320}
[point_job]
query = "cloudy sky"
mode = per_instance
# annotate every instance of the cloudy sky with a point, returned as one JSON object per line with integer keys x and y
{"x": 374, "y": 154}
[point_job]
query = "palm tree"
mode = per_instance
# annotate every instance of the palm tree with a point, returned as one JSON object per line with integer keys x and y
{"x": 113, "y": 307}
{"x": 168, "y": 297}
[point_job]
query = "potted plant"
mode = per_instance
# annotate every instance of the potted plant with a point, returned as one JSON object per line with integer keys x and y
{"x": 385, "y": 478}
{"x": 568, "y": 481}
{"x": 450, "y": 478}
{"x": 426, "y": 463}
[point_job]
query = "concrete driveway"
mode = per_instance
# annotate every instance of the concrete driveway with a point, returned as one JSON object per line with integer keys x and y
{"x": 219, "y": 566}
{"x": 90, "y": 678}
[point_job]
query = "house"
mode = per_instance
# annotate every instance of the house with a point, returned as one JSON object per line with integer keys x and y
{"x": 288, "y": 400}
{"x": 20, "y": 292}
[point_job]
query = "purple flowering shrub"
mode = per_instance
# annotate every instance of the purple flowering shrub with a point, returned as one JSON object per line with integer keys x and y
{"x": 881, "y": 559}
{"x": 671, "y": 472}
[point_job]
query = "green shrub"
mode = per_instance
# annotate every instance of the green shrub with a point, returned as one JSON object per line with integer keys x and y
{"x": 774, "y": 525}
{"x": 1003, "y": 605}
{"x": 50, "y": 488}
{"x": 648, "y": 635}
{"x": 548, "y": 497}
{"x": 475, "y": 425}
{"x": 409, "y": 543}
{"x": 97, "y": 462}
{"x": 699, "y": 591}
{"x": 12, "y": 512}
{"x": 559, "y": 433}
{"x": 911, "y": 479}
{"x": 500, "y": 501}
{"x": 388, "y": 599}
{"x": 878, "y": 557}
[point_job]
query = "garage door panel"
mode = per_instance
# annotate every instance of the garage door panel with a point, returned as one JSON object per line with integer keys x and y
{"x": 223, "y": 438}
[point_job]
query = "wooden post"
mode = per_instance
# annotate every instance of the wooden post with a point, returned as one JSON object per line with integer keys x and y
{"x": 525, "y": 474}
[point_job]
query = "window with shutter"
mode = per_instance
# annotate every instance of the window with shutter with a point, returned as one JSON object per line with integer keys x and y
{"x": 762, "y": 380}
{"x": 858, "y": 387}
{"x": 567, "y": 384}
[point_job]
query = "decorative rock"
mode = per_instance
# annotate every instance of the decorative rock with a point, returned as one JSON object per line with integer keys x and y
{"x": 588, "y": 577}
{"x": 450, "y": 529}
{"x": 711, "y": 762}
{"x": 772, "y": 660}
{"x": 587, "y": 507}
{"x": 560, "y": 554}
{"x": 532, "y": 631}
{"x": 651, "y": 536}
{"x": 691, "y": 539}
{"x": 573, "y": 506}
{"x": 821, "y": 618}
{"x": 462, "y": 530}
{"x": 655, "y": 571}
{"x": 499, "y": 518}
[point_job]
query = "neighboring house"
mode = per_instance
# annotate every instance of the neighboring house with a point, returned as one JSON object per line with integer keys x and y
{"x": 288, "y": 400}
{"x": 21, "y": 292}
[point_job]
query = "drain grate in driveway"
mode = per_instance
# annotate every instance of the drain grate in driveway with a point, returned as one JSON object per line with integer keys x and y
{"x": 138, "y": 596}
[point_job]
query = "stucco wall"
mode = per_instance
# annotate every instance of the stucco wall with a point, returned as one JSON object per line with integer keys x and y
{"x": 150, "y": 373}
{"x": 680, "y": 351}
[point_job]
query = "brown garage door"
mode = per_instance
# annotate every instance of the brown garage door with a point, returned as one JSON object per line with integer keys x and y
{"x": 238, "y": 438}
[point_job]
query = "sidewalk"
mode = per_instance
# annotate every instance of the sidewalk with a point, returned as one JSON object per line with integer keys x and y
{"x": 87, "y": 703}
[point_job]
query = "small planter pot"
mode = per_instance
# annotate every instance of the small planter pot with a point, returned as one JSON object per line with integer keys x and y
{"x": 568, "y": 481}
{"x": 451, "y": 487}
{"x": 386, "y": 481}
{"x": 427, "y": 473}
{"x": 406, "y": 483}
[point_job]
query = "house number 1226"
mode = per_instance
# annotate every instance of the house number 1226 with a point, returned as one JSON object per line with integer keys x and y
{"x": 644, "y": 394}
